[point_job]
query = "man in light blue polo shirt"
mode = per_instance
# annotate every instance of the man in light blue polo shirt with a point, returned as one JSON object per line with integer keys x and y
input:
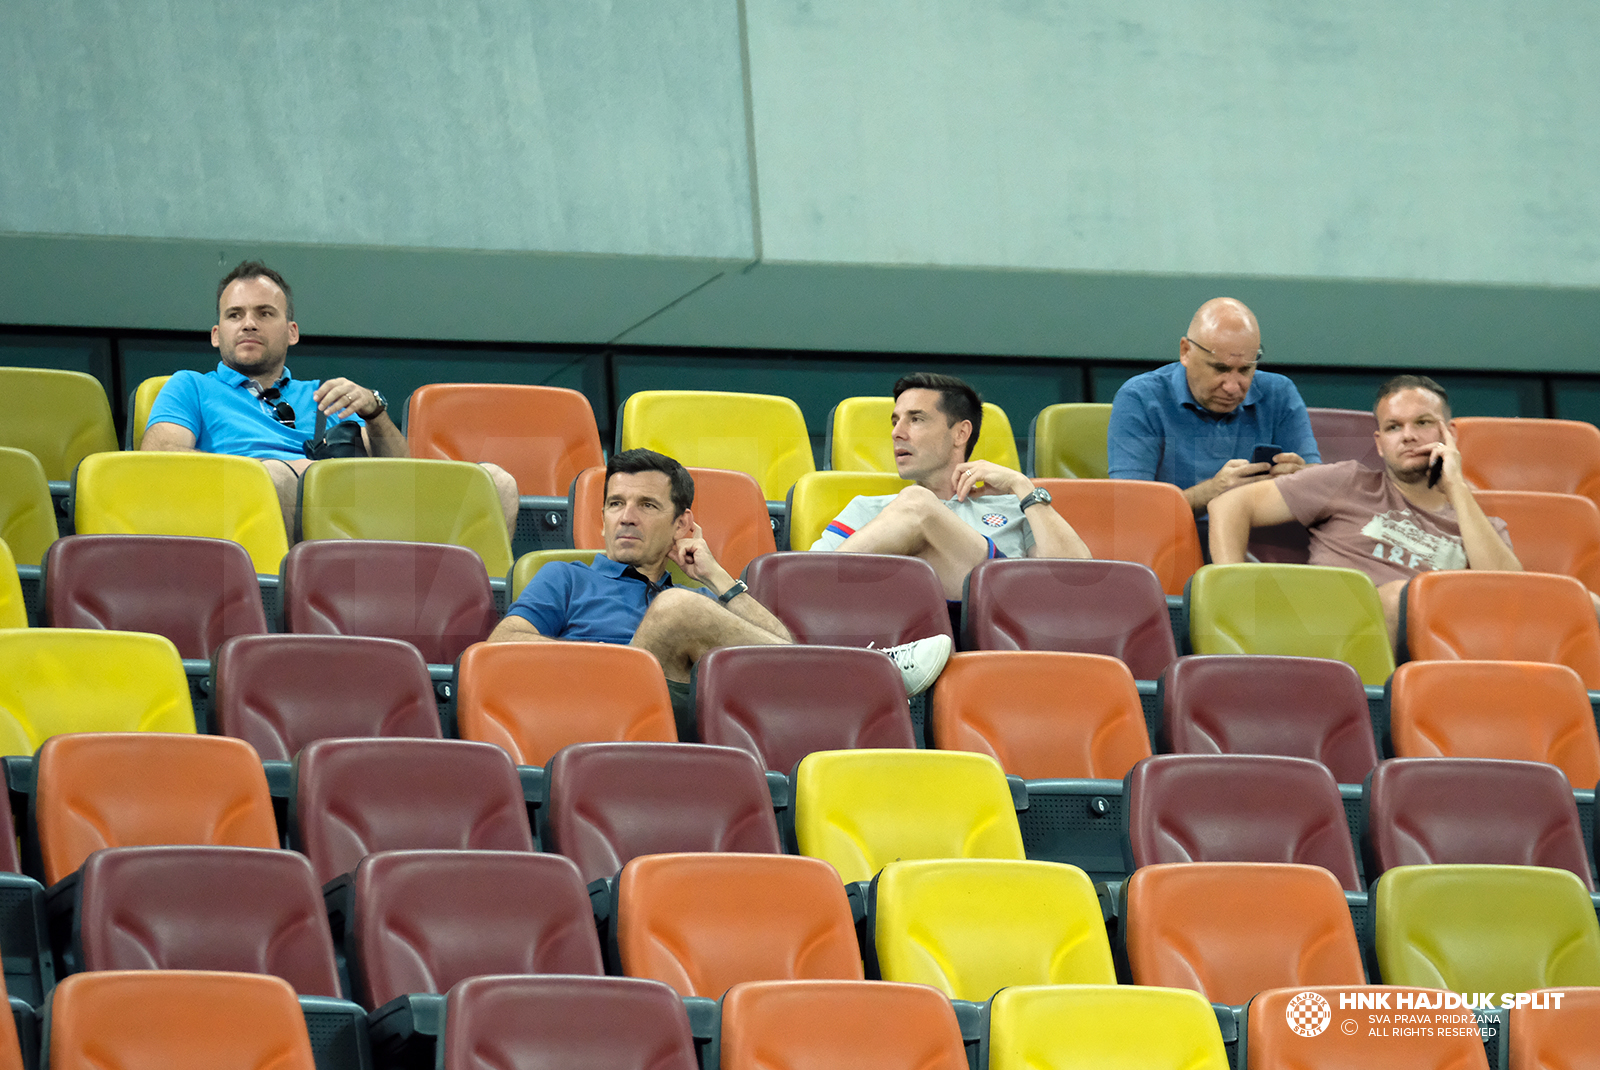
{"x": 1194, "y": 423}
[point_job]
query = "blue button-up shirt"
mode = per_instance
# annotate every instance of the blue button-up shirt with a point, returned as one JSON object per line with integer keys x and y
{"x": 600, "y": 603}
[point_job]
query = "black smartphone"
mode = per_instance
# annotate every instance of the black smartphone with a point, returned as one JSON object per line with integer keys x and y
{"x": 1435, "y": 470}
{"x": 1264, "y": 452}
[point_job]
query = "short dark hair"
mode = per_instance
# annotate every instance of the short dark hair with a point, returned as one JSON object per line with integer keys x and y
{"x": 635, "y": 461}
{"x": 957, "y": 400}
{"x": 255, "y": 269}
{"x": 1411, "y": 382}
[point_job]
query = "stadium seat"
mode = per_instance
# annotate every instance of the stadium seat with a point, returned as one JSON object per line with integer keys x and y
{"x": 1471, "y": 810}
{"x": 761, "y": 435}
{"x": 13, "y": 1054}
{"x": 1231, "y": 929}
{"x": 1296, "y": 610}
{"x": 203, "y": 494}
{"x": 1264, "y": 704}
{"x": 780, "y": 703}
{"x": 406, "y": 500}
{"x": 608, "y": 803}
{"x": 426, "y": 920}
{"x": 75, "y": 680}
{"x": 1132, "y": 520}
{"x": 620, "y": 1023}
{"x": 529, "y": 564}
{"x": 196, "y": 592}
{"x": 1237, "y": 808}
{"x": 542, "y": 435}
{"x": 1502, "y": 616}
{"x": 1272, "y": 1040}
{"x": 60, "y": 417}
{"x": 1485, "y": 928}
{"x": 532, "y": 699}
{"x": 133, "y": 789}
{"x": 143, "y": 399}
{"x": 13, "y": 607}
{"x": 27, "y": 516}
{"x": 280, "y": 692}
{"x": 1557, "y": 533}
{"x": 970, "y": 927}
{"x": 1088, "y": 607}
{"x": 1495, "y": 709}
{"x": 861, "y": 809}
{"x": 818, "y": 497}
{"x": 728, "y": 506}
{"x": 858, "y": 436}
{"x": 176, "y": 1020}
{"x": 1041, "y": 714}
{"x": 1068, "y": 441}
{"x": 352, "y": 797}
{"x": 703, "y": 923}
{"x": 206, "y": 908}
{"x": 851, "y": 599}
{"x": 433, "y": 596}
{"x": 1500, "y": 453}
{"x": 1549, "y": 1037}
{"x": 1346, "y": 435}
{"x": 1090, "y": 1027}
{"x": 773, "y": 1025}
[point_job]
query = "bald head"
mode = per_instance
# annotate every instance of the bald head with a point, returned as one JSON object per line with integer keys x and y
{"x": 1219, "y": 353}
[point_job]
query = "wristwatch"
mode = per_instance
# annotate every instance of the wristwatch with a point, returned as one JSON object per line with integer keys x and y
{"x": 739, "y": 587}
{"x": 1037, "y": 497}
{"x": 383, "y": 407}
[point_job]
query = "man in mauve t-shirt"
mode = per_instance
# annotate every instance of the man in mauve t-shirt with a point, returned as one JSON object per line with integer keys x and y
{"x": 1389, "y": 524}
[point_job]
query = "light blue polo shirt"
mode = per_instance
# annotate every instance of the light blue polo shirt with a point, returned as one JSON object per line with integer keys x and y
{"x": 227, "y": 417}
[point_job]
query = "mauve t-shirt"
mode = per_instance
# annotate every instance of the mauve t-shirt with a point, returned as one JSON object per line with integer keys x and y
{"x": 1358, "y": 519}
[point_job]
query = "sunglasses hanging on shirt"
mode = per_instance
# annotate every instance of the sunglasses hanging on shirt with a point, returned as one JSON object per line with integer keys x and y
{"x": 281, "y": 410}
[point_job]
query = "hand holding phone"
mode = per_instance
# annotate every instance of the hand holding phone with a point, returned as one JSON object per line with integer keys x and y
{"x": 1435, "y": 470}
{"x": 1264, "y": 452}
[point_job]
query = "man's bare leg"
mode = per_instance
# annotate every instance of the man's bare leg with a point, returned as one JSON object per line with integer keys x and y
{"x": 681, "y": 626}
{"x": 917, "y": 524}
{"x": 1389, "y": 596}
{"x": 505, "y": 488}
{"x": 286, "y": 480}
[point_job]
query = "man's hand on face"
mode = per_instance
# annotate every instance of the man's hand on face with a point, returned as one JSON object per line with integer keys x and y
{"x": 995, "y": 480}
{"x": 341, "y": 398}
{"x": 1239, "y": 472}
{"x": 691, "y": 554}
{"x": 1451, "y": 477}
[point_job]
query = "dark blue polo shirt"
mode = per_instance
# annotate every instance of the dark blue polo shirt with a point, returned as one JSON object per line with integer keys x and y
{"x": 599, "y": 603}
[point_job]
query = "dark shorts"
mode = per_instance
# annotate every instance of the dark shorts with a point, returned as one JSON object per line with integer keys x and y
{"x": 683, "y": 710}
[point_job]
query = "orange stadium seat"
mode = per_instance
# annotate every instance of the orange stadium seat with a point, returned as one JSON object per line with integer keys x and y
{"x": 542, "y": 435}
{"x": 1502, "y": 616}
{"x": 1557, "y": 533}
{"x": 1503, "y": 453}
{"x": 1132, "y": 520}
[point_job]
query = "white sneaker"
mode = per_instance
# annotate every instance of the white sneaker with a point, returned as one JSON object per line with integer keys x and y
{"x": 920, "y": 662}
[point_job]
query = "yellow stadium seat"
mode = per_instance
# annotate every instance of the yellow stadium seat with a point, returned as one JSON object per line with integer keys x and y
{"x": 55, "y": 680}
{"x": 27, "y": 515}
{"x": 204, "y": 494}
{"x": 1298, "y": 610}
{"x": 1103, "y": 1027}
{"x": 862, "y": 809}
{"x": 859, "y": 430}
{"x": 761, "y": 435}
{"x": 530, "y": 563}
{"x": 406, "y": 500}
{"x": 59, "y": 417}
{"x": 144, "y": 396}
{"x": 818, "y": 497}
{"x": 13, "y": 610}
{"x": 970, "y": 927}
{"x": 1069, "y": 441}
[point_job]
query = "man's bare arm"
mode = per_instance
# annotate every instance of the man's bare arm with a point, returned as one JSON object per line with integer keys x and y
{"x": 1053, "y": 536}
{"x": 1484, "y": 547}
{"x": 515, "y": 629}
{"x": 168, "y": 438}
{"x": 695, "y": 558}
{"x": 1233, "y": 515}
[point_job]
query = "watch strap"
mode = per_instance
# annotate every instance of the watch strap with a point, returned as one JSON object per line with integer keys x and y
{"x": 1036, "y": 497}
{"x": 739, "y": 587}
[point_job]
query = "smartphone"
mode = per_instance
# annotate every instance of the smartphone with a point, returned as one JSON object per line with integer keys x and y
{"x": 1435, "y": 470}
{"x": 1264, "y": 452}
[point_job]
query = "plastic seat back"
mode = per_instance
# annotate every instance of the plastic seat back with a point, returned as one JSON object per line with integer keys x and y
{"x": 280, "y": 692}
{"x": 970, "y": 927}
{"x": 1502, "y": 616}
{"x": 426, "y": 920}
{"x": 74, "y": 680}
{"x": 144, "y": 399}
{"x": 1132, "y": 520}
{"x": 858, "y": 437}
{"x": 27, "y": 515}
{"x": 176, "y": 1020}
{"x": 1557, "y": 533}
{"x": 1274, "y": 1043}
{"x": 1115, "y": 608}
{"x": 862, "y": 809}
{"x": 13, "y": 607}
{"x": 1485, "y": 928}
{"x": 60, "y": 417}
{"x": 542, "y": 435}
{"x": 780, "y": 703}
{"x": 728, "y": 506}
{"x": 1041, "y": 714}
{"x": 352, "y": 797}
{"x": 703, "y": 923}
{"x": 761, "y": 435}
{"x": 851, "y": 599}
{"x": 204, "y": 494}
{"x": 196, "y": 592}
{"x": 1089, "y": 1027}
{"x": 1297, "y": 610}
{"x": 1495, "y": 709}
{"x": 1237, "y": 808}
{"x": 529, "y": 564}
{"x": 1263, "y": 704}
{"x": 133, "y": 789}
{"x": 1231, "y": 929}
{"x": 1068, "y": 441}
{"x": 435, "y": 597}
{"x": 532, "y": 699}
{"x": 1477, "y": 810}
{"x": 1346, "y": 435}
{"x": 772, "y": 1025}
{"x": 621, "y": 1023}
{"x": 1555, "y": 1035}
{"x": 1500, "y": 453}
{"x": 818, "y": 497}
{"x": 609, "y": 803}
{"x": 207, "y": 908}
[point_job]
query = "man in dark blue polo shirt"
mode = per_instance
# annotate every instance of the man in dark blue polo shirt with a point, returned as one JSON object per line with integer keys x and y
{"x": 1195, "y": 423}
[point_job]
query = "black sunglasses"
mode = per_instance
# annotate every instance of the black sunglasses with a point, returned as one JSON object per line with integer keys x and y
{"x": 281, "y": 410}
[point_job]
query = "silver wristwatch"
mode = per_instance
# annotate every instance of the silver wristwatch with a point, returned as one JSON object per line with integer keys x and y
{"x": 1038, "y": 496}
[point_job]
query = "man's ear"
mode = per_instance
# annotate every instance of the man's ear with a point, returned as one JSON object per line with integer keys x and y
{"x": 294, "y": 332}
{"x": 683, "y": 527}
{"x": 962, "y": 432}
{"x": 216, "y": 336}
